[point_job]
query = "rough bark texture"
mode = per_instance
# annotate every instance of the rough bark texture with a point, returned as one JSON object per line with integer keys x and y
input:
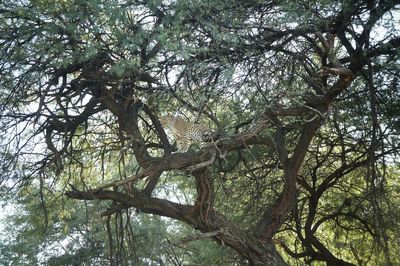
{"x": 105, "y": 73}
{"x": 256, "y": 246}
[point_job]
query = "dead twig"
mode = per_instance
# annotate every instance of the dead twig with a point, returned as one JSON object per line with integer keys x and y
{"x": 198, "y": 236}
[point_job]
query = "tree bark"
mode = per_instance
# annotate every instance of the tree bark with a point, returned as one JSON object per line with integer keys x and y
{"x": 253, "y": 249}
{"x": 257, "y": 246}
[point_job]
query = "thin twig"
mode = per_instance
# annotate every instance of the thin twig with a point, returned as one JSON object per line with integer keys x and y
{"x": 210, "y": 161}
{"x": 198, "y": 236}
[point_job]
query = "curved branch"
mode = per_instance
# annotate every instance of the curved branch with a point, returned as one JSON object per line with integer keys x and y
{"x": 138, "y": 200}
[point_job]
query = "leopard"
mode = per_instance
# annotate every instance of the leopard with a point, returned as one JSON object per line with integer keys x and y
{"x": 184, "y": 132}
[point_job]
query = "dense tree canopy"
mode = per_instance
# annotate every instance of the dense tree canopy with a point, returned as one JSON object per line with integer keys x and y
{"x": 301, "y": 164}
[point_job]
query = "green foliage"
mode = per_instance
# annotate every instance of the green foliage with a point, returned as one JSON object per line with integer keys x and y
{"x": 73, "y": 237}
{"x": 53, "y": 232}
{"x": 68, "y": 68}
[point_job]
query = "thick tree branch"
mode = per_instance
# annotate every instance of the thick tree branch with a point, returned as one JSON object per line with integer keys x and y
{"x": 136, "y": 200}
{"x": 275, "y": 215}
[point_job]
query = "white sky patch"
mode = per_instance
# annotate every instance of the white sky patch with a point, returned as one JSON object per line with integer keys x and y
{"x": 6, "y": 210}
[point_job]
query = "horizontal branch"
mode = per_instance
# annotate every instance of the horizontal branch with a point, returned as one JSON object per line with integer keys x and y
{"x": 137, "y": 200}
{"x": 132, "y": 178}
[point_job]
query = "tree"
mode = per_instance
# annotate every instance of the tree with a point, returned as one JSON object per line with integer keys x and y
{"x": 300, "y": 95}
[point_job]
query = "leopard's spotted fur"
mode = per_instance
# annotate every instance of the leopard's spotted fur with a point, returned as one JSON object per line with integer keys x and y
{"x": 184, "y": 132}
